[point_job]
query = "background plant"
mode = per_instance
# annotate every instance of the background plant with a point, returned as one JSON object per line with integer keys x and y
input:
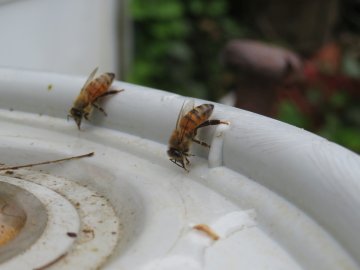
{"x": 178, "y": 45}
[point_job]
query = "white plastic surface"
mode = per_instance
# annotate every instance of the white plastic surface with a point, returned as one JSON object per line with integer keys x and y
{"x": 63, "y": 36}
{"x": 278, "y": 196}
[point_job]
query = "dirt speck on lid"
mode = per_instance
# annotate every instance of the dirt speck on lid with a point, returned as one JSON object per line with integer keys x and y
{"x": 72, "y": 234}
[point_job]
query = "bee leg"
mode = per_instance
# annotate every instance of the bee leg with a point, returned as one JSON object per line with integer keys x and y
{"x": 201, "y": 143}
{"x": 99, "y": 108}
{"x": 111, "y": 92}
{"x": 211, "y": 123}
{"x": 187, "y": 163}
{"x": 181, "y": 164}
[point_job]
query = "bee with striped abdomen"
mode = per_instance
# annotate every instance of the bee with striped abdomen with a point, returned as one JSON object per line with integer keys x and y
{"x": 187, "y": 125}
{"x": 91, "y": 92}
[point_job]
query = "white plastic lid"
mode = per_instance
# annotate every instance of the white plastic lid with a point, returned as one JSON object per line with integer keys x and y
{"x": 277, "y": 196}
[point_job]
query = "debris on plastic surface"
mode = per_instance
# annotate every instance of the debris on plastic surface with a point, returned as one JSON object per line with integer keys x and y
{"x": 44, "y": 163}
{"x": 206, "y": 229}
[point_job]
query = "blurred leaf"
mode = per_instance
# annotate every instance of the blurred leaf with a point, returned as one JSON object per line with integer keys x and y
{"x": 232, "y": 29}
{"x": 156, "y": 9}
{"x": 197, "y": 7}
{"x": 180, "y": 51}
{"x": 289, "y": 113}
{"x": 313, "y": 95}
{"x": 196, "y": 90}
{"x": 353, "y": 115}
{"x": 351, "y": 65}
{"x": 335, "y": 131}
{"x": 339, "y": 99}
{"x": 330, "y": 127}
{"x": 156, "y": 50}
{"x": 171, "y": 29}
{"x": 141, "y": 72}
{"x": 216, "y": 8}
{"x": 349, "y": 137}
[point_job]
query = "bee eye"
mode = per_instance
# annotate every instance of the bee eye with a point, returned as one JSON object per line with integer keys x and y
{"x": 76, "y": 112}
{"x": 172, "y": 152}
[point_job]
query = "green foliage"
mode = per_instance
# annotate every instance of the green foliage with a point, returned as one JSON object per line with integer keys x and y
{"x": 342, "y": 121}
{"x": 289, "y": 113}
{"x": 178, "y": 44}
{"x": 156, "y": 10}
{"x": 208, "y": 8}
{"x": 339, "y": 100}
{"x": 337, "y": 131}
{"x": 351, "y": 65}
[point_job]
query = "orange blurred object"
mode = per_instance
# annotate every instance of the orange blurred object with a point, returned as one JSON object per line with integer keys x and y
{"x": 12, "y": 220}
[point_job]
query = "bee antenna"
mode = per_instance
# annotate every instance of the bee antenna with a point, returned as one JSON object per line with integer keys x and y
{"x": 176, "y": 163}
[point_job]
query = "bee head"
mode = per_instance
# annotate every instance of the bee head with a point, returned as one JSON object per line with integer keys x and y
{"x": 177, "y": 157}
{"x": 111, "y": 75}
{"x": 77, "y": 115}
{"x": 175, "y": 154}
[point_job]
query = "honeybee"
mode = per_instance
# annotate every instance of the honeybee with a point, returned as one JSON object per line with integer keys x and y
{"x": 90, "y": 93}
{"x": 190, "y": 119}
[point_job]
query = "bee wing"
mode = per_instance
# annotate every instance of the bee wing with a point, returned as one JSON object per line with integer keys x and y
{"x": 91, "y": 76}
{"x": 187, "y": 106}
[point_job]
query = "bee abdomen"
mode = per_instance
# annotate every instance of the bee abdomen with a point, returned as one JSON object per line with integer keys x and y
{"x": 204, "y": 109}
{"x": 195, "y": 117}
{"x": 110, "y": 76}
{"x": 201, "y": 113}
{"x": 105, "y": 79}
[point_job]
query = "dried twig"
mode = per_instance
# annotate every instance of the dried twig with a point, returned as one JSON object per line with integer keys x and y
{"x": 206, "y": 229}
{"x": 46, "y": 162}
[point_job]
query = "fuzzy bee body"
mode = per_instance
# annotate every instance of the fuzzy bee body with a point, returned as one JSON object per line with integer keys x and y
{"x": 185, "y": 132}
{"x": 92, "y": 90}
